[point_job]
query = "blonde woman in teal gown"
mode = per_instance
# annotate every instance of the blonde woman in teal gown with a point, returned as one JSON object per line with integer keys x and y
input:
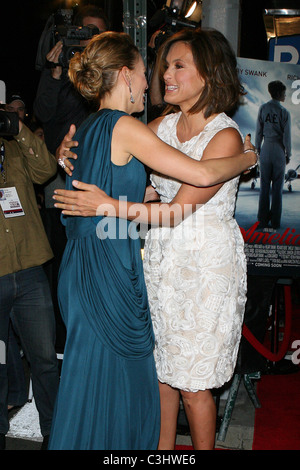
{"x": 108, "y": 397}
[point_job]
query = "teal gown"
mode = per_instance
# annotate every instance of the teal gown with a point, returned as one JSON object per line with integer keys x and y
{"x": 108, "y": 397}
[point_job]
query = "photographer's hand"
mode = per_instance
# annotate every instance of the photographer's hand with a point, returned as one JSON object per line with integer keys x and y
{"x": 53, "y": 57}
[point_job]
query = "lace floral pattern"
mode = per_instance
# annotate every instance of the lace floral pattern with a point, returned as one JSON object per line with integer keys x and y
{"x": 196, "y": 279}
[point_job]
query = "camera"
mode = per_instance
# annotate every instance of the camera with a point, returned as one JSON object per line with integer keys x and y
{"x": 9, "y": 123}
{"x": 59, "y": 28}
{"x": 71, "y": 37}
{"x": 169, "y": 20}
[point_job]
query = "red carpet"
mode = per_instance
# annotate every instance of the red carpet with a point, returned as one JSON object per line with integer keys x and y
{"x": 277, "y": 422}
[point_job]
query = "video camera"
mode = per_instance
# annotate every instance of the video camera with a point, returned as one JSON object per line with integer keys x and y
{"x": 71, "y": 37}
{"x": 169, "y": 20}
{"x": 59, "y": 27}
{"x": 9, "y": 123}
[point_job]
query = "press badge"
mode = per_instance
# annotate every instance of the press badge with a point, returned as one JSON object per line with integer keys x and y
{"x": 10, "y": 202}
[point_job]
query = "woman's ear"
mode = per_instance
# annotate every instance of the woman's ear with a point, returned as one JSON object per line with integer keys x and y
{"x": 125, "y": 72}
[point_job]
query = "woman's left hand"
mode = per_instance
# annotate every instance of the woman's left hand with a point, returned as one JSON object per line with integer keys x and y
{"x": 90, "y": 201}
{"x": 249, "y": 147}
{"x": 151, "y": 194}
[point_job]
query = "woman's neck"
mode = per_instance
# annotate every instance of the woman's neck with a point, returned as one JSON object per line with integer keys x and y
{"x": 190, "y": 125}
{"x": 115, "y": 101}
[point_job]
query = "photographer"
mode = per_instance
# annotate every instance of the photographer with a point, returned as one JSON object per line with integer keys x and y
{"x": 16, "y": 104}
{"x": 57, "y": 105}
{"x": 25, "y": 298}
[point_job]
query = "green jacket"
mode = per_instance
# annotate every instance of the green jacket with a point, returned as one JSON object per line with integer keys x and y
{"x": 23, "y": 241}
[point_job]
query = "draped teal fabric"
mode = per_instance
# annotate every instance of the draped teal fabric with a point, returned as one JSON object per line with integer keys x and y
{"x": 108, "y": 397}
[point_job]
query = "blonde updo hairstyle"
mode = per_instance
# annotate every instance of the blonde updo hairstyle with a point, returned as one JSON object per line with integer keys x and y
{"x": 94, "y": 71}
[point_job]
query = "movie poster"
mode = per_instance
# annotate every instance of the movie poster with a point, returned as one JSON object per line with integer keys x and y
{"x": 270, "y": 250}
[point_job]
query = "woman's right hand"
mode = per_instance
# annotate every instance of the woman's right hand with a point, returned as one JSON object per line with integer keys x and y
{"x": 89, "y": 201}
{"x": 63, "y": 152}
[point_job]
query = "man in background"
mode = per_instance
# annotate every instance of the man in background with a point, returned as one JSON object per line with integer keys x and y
{"x": 25, "y": 298}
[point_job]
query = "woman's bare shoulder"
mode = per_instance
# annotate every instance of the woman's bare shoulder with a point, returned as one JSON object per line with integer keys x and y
{"x": 153, "y": 125}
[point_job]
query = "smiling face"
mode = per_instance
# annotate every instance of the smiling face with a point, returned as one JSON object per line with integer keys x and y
{"x": 183, "y": 84}
{"x": 138, "y": 85}
{"x": 199, "y": 70}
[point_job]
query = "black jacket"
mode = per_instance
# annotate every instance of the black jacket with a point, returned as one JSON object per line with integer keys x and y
{"x": 58, "y": 105}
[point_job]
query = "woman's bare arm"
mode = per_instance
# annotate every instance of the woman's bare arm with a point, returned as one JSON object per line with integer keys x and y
{"x": 159, "y": 156}
{"x": 91, "y": 200}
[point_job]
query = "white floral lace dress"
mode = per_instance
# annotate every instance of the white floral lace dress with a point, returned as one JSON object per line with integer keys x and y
{"x": 196, "y": 278}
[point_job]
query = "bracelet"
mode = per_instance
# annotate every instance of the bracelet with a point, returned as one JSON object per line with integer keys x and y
{"x": 254, "y": 150}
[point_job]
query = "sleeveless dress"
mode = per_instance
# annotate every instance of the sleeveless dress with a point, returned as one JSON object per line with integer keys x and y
{"x": 108, "y": 397}
{"x": 196, "y": 278}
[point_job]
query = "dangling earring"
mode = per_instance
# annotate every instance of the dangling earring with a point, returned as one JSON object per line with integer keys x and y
{"x": 131, "y": 95}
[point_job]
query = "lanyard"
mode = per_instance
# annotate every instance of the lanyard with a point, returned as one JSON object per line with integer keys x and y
{"x": 2, "y": 158}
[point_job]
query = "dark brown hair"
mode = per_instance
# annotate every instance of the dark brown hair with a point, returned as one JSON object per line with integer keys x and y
{"x": 217, "y": 65}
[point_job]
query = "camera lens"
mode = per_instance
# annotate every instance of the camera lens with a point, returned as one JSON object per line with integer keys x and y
{"x": 71, "y": 51}
{"x": 67, "y": 54}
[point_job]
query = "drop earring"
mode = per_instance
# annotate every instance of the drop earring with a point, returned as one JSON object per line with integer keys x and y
{"x": 131, "y": 95}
